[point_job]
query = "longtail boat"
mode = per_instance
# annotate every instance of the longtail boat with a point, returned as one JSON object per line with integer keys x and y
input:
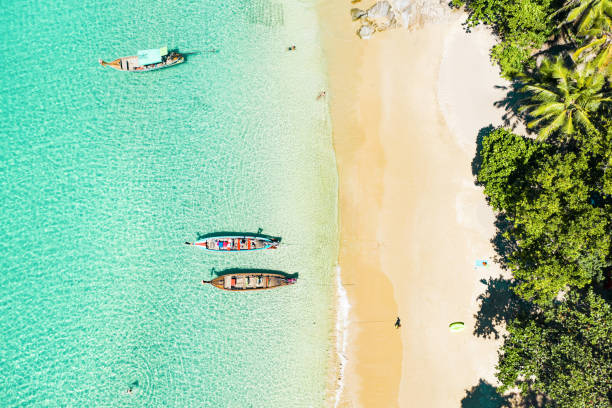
{"x": 250, "y": 281}
{"x": 243, "y": 243}
{"x": 146, "y": 60}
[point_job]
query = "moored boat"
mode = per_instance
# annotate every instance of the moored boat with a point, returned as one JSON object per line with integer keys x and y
{"x": 146, "y": 60}
{"x": 250, "y": 281}
{"x": 241, "y": 243}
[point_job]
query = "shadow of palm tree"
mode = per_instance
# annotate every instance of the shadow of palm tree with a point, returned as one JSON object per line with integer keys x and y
{"x": 498, "y": 305}
{"x": 510, "y": 104}
{"x": 484, "y": 395}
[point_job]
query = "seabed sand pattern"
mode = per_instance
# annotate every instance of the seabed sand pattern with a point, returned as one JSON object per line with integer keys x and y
{"x": 406, "y": 109}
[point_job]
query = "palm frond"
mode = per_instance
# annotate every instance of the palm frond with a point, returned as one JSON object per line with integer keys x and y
{"x": 538, "y": 90}
{"x": 535, "y": 123}
{"x": 549, "y": 129}
{"x": 576, "y": 11}
{"x": 549, "y": 108}
{"x": 583, "y": 119}
{"x": 568, "y": 127}
{"x": 593, "y": 44}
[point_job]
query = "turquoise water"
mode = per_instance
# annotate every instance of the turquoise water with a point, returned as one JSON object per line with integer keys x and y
{"x": 104, "y": 175}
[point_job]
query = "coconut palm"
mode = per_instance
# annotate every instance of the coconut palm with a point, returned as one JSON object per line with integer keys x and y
{"x": 558, "y": 98}
{"x": 586, "y": 15}
{"x": 592, "y": 21}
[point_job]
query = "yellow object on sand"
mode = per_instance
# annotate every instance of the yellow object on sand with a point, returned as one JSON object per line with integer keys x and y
{"x": 456, "y": 326}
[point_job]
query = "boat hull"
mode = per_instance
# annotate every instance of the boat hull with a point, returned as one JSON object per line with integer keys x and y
{"x": 235, "y": 244}
{"x": 241, "y": 282}
{"x": 129, "y": 64}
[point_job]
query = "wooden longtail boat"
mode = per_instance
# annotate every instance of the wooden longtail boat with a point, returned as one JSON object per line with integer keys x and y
{"x": 146, "y": 60}
{"x": 243, "y": 243}
{"x": 250, "y": 281}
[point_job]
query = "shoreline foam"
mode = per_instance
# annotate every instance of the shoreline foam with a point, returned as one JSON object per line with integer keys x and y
{"x": 342, "y": 331}
{"x": 359, "y": 160}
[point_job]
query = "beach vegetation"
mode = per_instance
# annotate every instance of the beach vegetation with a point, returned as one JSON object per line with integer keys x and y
{"x": 529, "y": 28}
{"x": 553, "y": 195}
{"x": 523, "y": 27}
{"x": 591, "y": 23}
{"x": 511, "y": 58}
{"x": 547, "y": 193}
{"x": 559, "y": 97}
{"x": 562, "y": 350}
{"x": 588, "y": 17}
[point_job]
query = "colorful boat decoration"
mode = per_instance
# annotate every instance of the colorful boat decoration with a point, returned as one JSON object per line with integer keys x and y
{"x": 250, "y": 281}
{"x": 146, "y": 60}
{"x": 242, "y": 243}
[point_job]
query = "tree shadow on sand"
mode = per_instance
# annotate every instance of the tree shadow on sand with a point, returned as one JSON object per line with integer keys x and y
{"x": 498, "y": 305}
{"x": 485, "y": 395}
{"x": 510, "y": 104}
{"x": 477, "y": 160}
{"x": 503, "y": 245}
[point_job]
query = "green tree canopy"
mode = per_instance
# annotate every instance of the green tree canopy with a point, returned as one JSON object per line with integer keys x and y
{"x": 522, "y": 25}
{"x": 563, "y": 351}
{"x": 562, "y": 235}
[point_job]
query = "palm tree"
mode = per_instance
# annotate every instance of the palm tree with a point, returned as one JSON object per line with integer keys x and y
{"x": 588, "y": 14}
{"x": 558, "y": 98}
{"x": 592, "y": 20}
{"x": 597, "y": 52}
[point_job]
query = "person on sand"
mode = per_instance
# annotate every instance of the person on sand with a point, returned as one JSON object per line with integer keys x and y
{"x": 398, "y": 324}
{"x": 292, "y": 48}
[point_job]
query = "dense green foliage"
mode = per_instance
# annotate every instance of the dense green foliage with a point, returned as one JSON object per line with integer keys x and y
{"x": 525, "y": 26}
{"x": 553, "y": 195}
{"x": 563, "y": 236}
{"x": 522, "y": 25}
{"x": 564, "y": 351}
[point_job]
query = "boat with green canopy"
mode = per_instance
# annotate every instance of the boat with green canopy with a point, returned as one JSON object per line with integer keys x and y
{"x": 146, "y": 60}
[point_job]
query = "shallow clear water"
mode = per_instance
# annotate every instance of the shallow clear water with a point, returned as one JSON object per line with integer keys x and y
{"x": 105, "y": 174}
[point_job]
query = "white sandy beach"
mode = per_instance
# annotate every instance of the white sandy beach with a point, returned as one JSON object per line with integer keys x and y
{"x": 406, "y": 110}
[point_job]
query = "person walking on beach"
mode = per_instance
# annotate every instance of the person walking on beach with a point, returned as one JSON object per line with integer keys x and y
{"x": 398, "y": 324}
